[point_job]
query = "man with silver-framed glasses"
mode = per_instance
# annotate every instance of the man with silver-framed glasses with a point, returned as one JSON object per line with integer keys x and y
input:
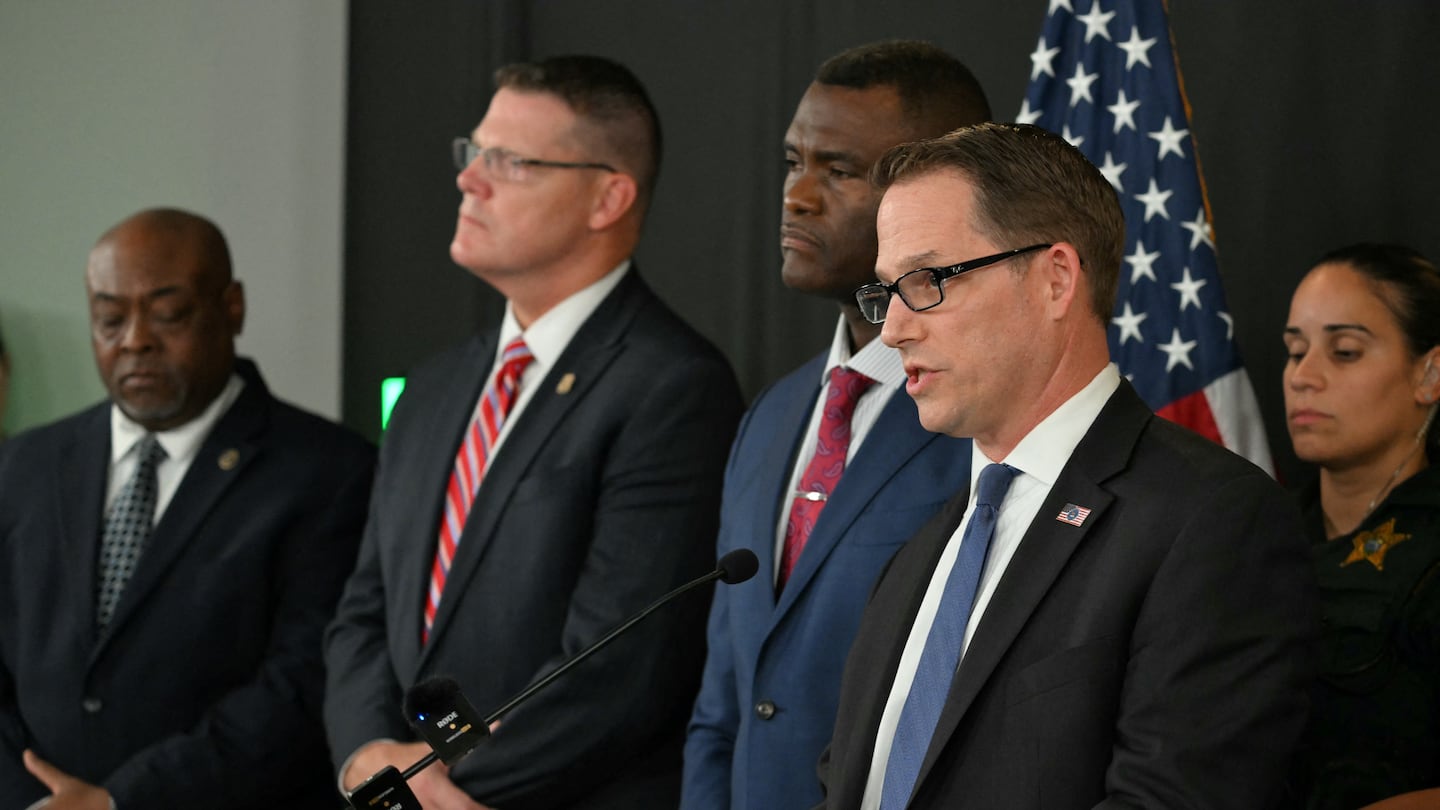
{"x": 1115, "y": 612}
{"x": 546, "y": 479}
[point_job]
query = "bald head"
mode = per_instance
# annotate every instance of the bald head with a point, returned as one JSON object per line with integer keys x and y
{"x": 164, "y": 234}
{"x": 164, "y": 313}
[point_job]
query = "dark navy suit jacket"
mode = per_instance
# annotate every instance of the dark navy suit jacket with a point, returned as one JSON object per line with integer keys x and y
{"x": 604, "y": 496}
{"x": 205, "y": 690}
{"x": 772, "y": 678}
{"x": 1156, "y": 655}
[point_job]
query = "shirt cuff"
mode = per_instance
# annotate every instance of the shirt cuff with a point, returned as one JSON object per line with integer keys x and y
{"x": 46, "y": 801}
{"x": 339, "y": 778}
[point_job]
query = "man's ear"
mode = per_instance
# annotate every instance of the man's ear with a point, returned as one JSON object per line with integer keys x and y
{"x": 233, "y": 299}
{"x": 616, "y": 198}
{"x": 1065, "y": 283}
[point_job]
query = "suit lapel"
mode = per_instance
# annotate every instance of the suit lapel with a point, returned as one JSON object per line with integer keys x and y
{"x": 81, "y": 470}
{"x": 894, "y": 439}
{"x": 593, "y": 348}
{"x": 1043, "y": 552}
{"x": 221, "y": 459}
{"x": 889, "y": 616}
{"x": 772, "y": 472}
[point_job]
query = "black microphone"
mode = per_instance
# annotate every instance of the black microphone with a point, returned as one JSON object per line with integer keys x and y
{"x": 737, "y": 566}
{"x": 450, "y": 725}
{"x": 438, "y": 698}
{"x": 385, "y": 790}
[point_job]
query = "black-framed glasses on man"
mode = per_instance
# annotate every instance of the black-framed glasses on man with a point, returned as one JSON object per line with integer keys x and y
{"x": 923, "y": 288}
{"x": 506, "y": 165}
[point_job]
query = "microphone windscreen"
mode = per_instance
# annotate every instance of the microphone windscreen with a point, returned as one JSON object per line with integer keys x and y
{"x": 441, "y": 714}
{"x": 737, "y": 566}
{"x": 432, "y": 696}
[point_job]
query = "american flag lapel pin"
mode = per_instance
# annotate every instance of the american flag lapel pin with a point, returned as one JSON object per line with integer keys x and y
{"x": 1072, "y": 514}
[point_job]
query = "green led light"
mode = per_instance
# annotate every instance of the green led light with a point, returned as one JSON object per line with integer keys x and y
{"x": 390, "y": 389}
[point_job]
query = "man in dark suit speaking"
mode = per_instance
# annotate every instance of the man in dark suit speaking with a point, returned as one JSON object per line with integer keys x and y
{"x": 169, "y": 559}
{"x": 1116, "y": 613}
{"x": 544, "y": 480}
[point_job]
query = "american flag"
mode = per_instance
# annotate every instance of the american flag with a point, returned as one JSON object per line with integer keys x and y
{"x": 1104, "y": 77}
{"x": 1072, "y": 514}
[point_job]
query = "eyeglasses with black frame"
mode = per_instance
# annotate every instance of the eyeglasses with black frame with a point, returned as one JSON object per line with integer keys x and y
{"x": 506, "y": 165}
{"x": 924, "y": 288}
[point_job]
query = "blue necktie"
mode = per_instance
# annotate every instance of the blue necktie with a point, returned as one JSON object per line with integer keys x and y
{"x": 941, "y": 656}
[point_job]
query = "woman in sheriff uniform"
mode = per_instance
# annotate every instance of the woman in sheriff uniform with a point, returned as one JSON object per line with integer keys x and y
{"x": 1361, "y": 386}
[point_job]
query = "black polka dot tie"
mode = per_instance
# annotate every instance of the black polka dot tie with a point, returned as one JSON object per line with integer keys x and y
{"x": 127, "y": 527}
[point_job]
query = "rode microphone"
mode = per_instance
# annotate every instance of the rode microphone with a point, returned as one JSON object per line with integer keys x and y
{"x": 385, "y": 790}
{"x": 446, "y": 720}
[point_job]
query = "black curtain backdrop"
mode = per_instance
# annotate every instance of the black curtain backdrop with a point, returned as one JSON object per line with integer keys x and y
{"x": 1314, "y": 122}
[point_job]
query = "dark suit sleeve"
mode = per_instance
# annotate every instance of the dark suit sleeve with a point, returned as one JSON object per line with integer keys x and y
{"x": 1215, "y": 693}
{"x": 15, "y": 782}
{"x": 710, "y": 741}
{"x": 362, "y": 695}
{"x": 715, "y": 722}
{"x": 654, "y": 525}
{"x": 252, "y": 729}
{"x": 823, "y": 765}
{"x": 17, "y": 786}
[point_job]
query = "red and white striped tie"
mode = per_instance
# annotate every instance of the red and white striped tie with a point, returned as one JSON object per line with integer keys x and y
{"x": 470, "y": 463}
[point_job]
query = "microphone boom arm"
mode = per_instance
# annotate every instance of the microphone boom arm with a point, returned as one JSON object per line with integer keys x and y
{"x": 738, "y": 570}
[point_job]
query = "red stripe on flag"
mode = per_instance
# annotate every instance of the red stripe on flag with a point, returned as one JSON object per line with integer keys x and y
{"x": 1194, "y": 412}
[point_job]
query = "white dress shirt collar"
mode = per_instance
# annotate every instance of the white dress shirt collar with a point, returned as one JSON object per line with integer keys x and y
{"x": 181, "y": 443}
{"x": 548, "y": 336}
{"x": 1046, "y": 449}
{"x": 876, "y": 361}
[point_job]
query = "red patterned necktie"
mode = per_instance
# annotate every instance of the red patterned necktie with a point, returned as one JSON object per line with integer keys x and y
{"x": 826, "y": 466}
{"x": 470, "y": 462}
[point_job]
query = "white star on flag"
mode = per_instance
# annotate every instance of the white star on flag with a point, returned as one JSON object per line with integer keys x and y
{"x": 1096, "y": 22}
{"x": 1141, "y": 263}
{"x": 1169, "y": 139}
{"x": 1177, "y": 351}
{"x": 1154, "y": 200}
{"x": 1135, "y": 48}
{"x": 1080, "y": 85}
{"x": 1042, "y": 60}
{"x": 1111, "y": 169}
{"x": 1129, "y": 324}
{"x": 1189, "y": 289}
{"x": 1124, "y": 112}
{"x": 1199, "y": 229}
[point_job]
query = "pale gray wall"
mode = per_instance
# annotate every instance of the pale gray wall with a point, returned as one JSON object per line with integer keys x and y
{"x": 233, "y": 110}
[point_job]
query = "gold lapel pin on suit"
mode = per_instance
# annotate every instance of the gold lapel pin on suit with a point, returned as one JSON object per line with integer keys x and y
{"x": 228, "y": 459}
{"x": 566, "y": 383}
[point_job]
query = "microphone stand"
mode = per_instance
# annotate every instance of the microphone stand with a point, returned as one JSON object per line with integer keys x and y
{"x": 720, "y": 572}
